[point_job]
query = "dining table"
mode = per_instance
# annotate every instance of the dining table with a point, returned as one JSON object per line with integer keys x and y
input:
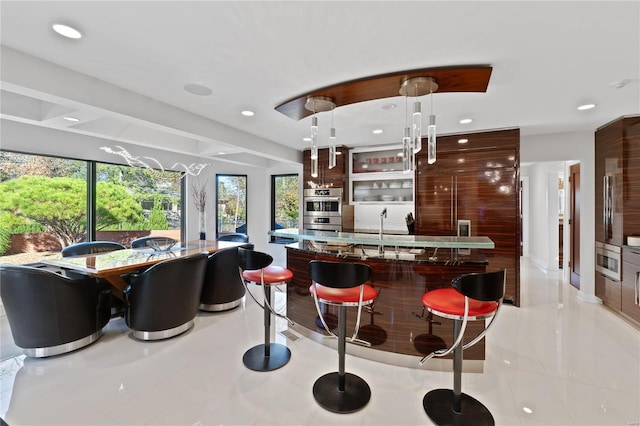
{"x": 114, "y": 266}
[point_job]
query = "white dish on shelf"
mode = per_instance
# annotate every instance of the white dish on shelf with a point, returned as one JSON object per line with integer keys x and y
{"x": 407, "y": 184}
{"x": 395, "y": 185}
{"x": 387, "y": 197}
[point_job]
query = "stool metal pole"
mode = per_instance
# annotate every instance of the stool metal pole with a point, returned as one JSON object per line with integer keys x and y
{"x": 267, "y": 321}
{"x": 342, "y": 333}
{"x": 457, "y": 367}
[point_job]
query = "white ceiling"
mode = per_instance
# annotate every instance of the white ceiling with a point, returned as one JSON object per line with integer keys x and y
{"x": 124, "y": 78}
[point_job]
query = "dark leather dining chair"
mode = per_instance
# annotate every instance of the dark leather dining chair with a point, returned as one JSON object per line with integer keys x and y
{"x": 143, "y": 242}
{"x": 91, "y": 247}
{"x": 223, "y": 288}
{"x": 162, "y": 301}
{"x": 50, "y": 313}
{"x": 235, "y": 237}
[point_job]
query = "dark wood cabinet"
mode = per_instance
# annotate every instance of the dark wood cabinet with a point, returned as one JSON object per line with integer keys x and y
{"x": 617, "y": 207}
{"x": 630, "y": 289}
{"x": 617, "y": 180}
{"x": 477, "y": 181}
{"x": 609, "y": 291}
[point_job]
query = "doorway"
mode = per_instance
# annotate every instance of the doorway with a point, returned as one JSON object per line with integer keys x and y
{"x": 574, "y": 226}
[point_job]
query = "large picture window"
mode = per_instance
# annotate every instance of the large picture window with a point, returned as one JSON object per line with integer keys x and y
{"x": 285, "y": 202}
{"x": 231, "y": 205}
{"x": 43, "y": 204}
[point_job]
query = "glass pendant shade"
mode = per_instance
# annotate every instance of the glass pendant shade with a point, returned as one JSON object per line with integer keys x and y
{"x": 407, "y": 152}
{"x": 314, "y": 137}
{"x": 431, "y": 140}
{"x": 417, "y": 127}
{"x": 314, "y": 167}
{"x": 332, "y": 148}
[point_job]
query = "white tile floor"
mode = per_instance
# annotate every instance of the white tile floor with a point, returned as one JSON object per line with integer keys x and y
{"x": 570, "y": 363}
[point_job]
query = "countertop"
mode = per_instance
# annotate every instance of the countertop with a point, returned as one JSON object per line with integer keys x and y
{"x": 432, "y": 256}
{"x": 411, "y": 241}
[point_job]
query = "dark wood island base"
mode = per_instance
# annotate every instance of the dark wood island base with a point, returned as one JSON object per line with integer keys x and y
{"x": 399, "y": 330}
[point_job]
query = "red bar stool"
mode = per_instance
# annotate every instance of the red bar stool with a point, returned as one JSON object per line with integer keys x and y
{"x": 256, "y": 267}
{"x": 341, "y": 284}
{"x": 472, "y": 297}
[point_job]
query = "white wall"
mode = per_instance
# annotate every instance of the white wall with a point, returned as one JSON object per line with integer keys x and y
{"x": 571, "y": 146}
{"x": 543, "y": 198}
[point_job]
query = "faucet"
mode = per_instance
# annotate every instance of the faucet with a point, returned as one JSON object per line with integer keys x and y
{"x": 383, "y": 215}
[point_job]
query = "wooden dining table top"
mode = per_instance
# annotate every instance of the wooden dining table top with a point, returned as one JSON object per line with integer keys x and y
{"x": 112, "y": 265}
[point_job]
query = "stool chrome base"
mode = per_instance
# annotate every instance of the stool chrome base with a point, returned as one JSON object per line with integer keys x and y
{"x": 355, "y": 396}
{"x": 438, "y": 404}
{"x": 256, "y": 360}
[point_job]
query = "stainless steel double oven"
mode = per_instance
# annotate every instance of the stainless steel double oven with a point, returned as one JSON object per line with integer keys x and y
{"x": 322, "y": 209}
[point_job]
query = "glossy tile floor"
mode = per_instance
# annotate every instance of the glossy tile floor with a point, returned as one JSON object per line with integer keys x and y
{"x": 554, "y": 361}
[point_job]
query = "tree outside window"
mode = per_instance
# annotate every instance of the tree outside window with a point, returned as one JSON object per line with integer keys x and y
{"x": 231, "y": 206}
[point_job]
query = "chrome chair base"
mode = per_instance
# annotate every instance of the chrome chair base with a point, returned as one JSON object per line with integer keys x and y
{"x": 64, "y": 348}
{"x": 328, "y": 395}
{"x": 259, "y": 359}
{"x": 219, "y": 307}
{"x": 162, "y": 334}
{"x": 438, "y": 405}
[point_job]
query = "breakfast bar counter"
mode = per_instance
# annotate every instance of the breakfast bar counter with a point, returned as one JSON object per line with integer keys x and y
{"x": 403, "y": 267}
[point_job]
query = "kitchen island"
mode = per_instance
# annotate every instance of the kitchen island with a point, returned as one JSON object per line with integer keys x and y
{"x": 403, "y": 267}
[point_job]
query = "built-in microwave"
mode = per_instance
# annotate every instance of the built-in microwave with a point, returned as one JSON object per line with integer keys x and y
{"x": 609, "y": 260}
{"x": 323, "y": 202}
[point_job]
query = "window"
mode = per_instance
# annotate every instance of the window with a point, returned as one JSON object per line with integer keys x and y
{"x": 43, "y": 204}
{"x": 284, "y": 204}
{"x": 138, "y": 199}
{"x": 41, "y": 195}
{"x": 231, "y": 205}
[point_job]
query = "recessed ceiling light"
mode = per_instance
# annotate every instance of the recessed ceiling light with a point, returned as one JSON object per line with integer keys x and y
{"x": 198, "y": 89}
{"x": 389, "y": 106}
{"x": 463, "y": 140}
{"x": 527, "y": 410}
{"x": 377, "y": 131}
{"x": 466, "y": 121}
{"x": 247, "y": 113}
{"x": 75, "y": 120}
{"x": 586, "y": 107}
{"x": 66, "y": 31}
{"x": 221, "y": 153}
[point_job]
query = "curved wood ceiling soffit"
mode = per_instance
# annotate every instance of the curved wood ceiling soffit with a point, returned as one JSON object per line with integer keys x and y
{"x": 470, "y": 78}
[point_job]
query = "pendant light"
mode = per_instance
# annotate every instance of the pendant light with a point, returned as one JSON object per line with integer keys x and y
{"x": 332, "y": 144}
{"x": 319, "y": 104}
{"x": 407, "y": 144}
{"x": 431, "y": 136}
{"x": 415, "y": 87}
{"x": 314, "y": 146}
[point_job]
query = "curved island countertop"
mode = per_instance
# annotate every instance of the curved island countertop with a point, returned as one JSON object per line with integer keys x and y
{"x": 388, "y": 240}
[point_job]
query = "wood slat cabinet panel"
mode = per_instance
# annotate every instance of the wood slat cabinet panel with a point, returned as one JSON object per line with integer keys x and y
{"x": 617, "y": 151}
{"x": 631, "y": 176}
{"x": 608, "y": 163}
{"x": 480, "y": 185}
{"x": 630, "y": 282}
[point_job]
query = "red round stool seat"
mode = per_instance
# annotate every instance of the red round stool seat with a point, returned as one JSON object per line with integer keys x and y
{"x": 344, "y": 295}
{"x": 272, "y": 274}
{"x": 448, "y": 301}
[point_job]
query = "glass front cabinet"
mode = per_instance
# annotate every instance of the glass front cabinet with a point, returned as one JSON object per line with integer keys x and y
{"x": 377, "y": 176}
